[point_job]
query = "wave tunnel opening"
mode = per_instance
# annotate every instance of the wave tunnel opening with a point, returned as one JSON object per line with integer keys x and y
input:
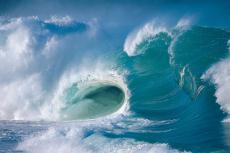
{"x": 93, "y": 101}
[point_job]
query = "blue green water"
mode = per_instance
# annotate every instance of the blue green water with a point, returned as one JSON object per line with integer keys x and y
{"x": 90, "y": 83}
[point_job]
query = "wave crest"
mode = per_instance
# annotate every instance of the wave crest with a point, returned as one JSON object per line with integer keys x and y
{"x": 219, "y": 74}
{"x": 136, "y": 37}
{"x": 79, "y": 95}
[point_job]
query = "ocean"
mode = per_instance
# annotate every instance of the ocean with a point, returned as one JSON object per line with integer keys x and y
{"x": 108, "y": 80}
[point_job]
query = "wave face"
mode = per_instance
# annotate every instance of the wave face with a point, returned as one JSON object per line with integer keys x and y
{"x": 96, "y": 100}
{"x": 64, "y": 89}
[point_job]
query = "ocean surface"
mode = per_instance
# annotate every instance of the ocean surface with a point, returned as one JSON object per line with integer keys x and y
{"x": 111, "y": 81}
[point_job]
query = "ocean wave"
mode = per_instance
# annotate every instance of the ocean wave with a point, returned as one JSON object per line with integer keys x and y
{"x": 151, "y": 30}
{"x": 75, "y": 88}
{"x": 135, "y": 38}
{"x": 126, "y": 100}
{"x": 182, "y": 26}
{"x": 219, "y": 74}
{"x": 72, "y": 142}
{"x": 24, "y": 43}
{"x": 22, "y": 99}
{"x": 71, "y": 139}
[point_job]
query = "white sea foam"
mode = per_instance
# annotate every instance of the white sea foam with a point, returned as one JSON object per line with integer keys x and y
{"x": 229, "y": 45}
{"x": 226, "y": 120}
{"x": 15, "y": 48}
{"x": 136, "y": 37}
{"x": 21, "y": 99}
{"x": 73, "y": 142}
{"x": 21, "y": 82}
{"x": 72, "y": 139}
{"x": 183, "y": 23}
{"x": 60, "y": 20}
{"x": 219, "y": 74}
{"x": 50, "y": 46}
{"x": 152, "y": 29}
{"x": 27, "y": 52}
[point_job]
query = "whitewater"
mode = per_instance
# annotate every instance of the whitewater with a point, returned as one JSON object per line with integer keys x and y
{"x": 160, "y": 88}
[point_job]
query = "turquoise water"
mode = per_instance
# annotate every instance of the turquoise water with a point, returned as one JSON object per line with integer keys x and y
{"x": 73, "y": 85}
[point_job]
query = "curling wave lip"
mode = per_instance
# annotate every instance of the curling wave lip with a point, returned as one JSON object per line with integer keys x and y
{"x": 94, "y": 100}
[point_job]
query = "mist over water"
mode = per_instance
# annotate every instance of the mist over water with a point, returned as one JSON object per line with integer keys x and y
{"x": 114, "y": 76}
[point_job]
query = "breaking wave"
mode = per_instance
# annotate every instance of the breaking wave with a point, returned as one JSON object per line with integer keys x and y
{"x": 155, "y": 92}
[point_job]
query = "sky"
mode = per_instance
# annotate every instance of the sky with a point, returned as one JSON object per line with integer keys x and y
{"x": 123, "y": 13}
